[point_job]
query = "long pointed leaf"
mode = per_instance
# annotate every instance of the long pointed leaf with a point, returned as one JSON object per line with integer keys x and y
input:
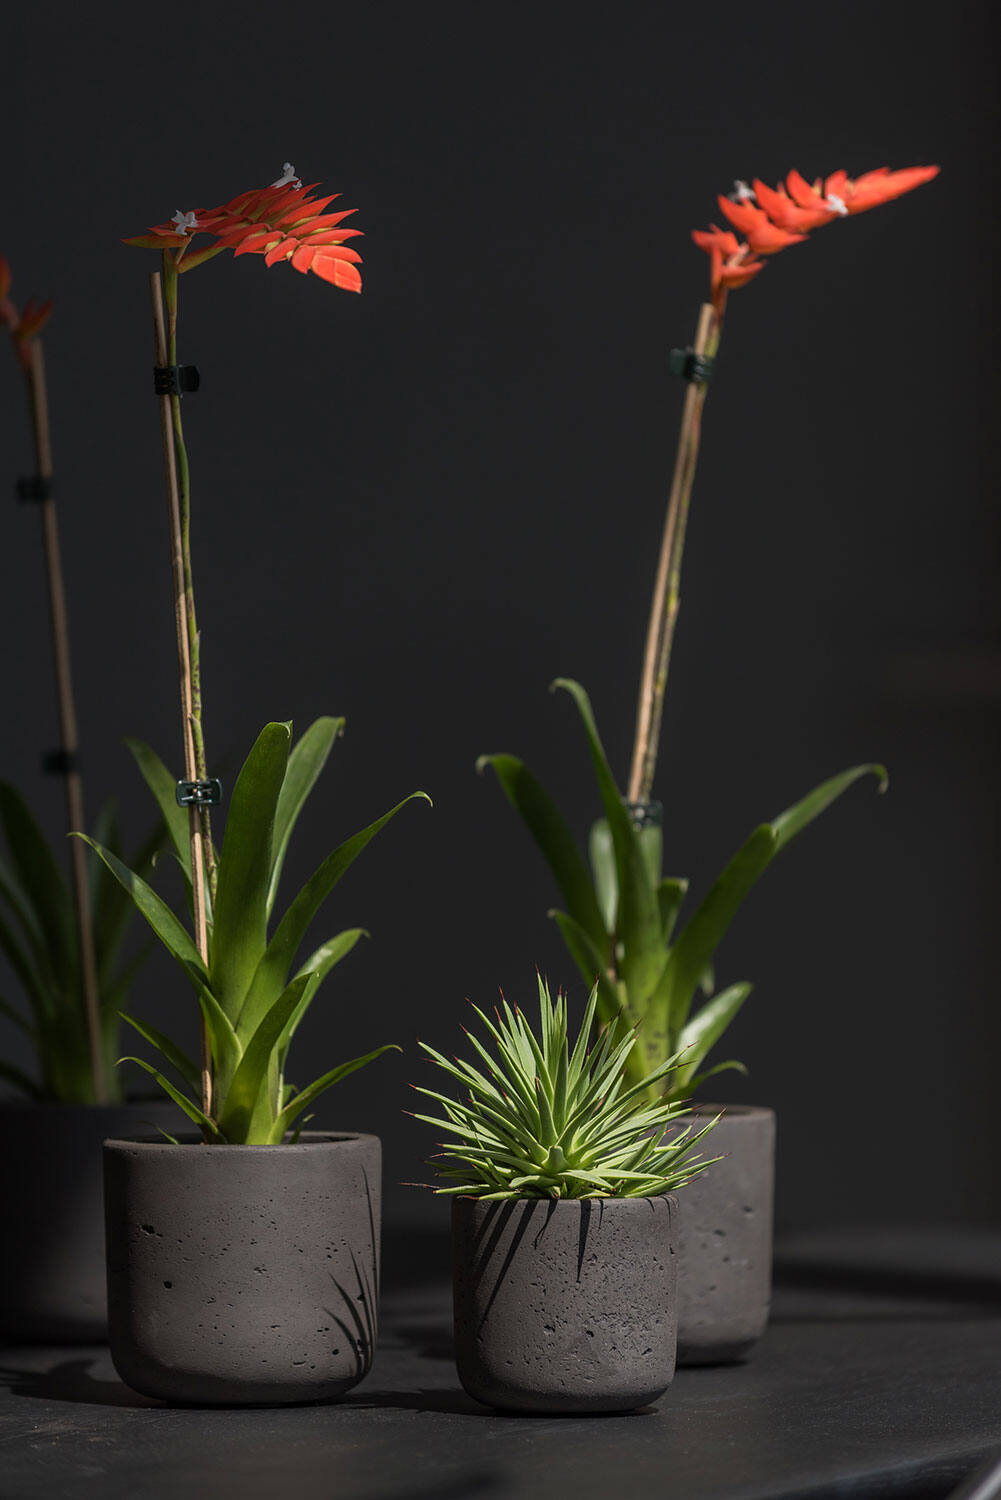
{"x": 181, "y": 1100}
{"x": 802, "y": 813}
{"x": 157, "y": 913}
{"x": 299, "y": 1101}
{"x": 164, "y": 788}
{"x": 307, "y": 760}
{"x": 42, "y": 881}
{"x": 176, "y": 1056}
{"x": 554, "y": 839}
{"x": 239, "y": 934}
{"x": 317, "y": 967}
{"x": 589, "y": 962}
{"x": 277, "y": 959}
{"x": 638, "y": 928}
{"x": 243, "y": 1102}
{"x": 703, "y": 1031}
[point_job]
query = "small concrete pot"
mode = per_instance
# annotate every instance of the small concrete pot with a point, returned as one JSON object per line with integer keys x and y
{"x": 243, "y": 1275}
{"x": 565, "y": 1305}
{"x": 724, "y": 1239}
{"x": 52, "y": 1277}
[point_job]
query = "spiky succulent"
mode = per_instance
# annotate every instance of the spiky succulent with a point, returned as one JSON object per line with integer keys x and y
{"x": 544, "y": 1122}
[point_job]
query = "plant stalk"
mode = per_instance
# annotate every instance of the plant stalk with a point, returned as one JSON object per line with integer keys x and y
{"x": 68, "y": 732}
{"x": 175, "y": 459}
{"x": 667, "y": 586}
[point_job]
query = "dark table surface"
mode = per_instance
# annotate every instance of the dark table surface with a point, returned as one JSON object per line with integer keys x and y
{"x": 879, "y": 1376}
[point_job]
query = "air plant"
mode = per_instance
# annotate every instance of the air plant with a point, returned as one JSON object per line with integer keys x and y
{"x": 63, "y": 939}
{"x": 621, "y": 914}
{"x": 540, "y": 1120}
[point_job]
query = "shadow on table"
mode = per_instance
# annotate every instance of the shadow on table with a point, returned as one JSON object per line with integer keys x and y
{"x": 71, "y": 1380}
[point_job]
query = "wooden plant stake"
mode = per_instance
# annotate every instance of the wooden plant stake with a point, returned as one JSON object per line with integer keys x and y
{"x": 667, "y": 587}
{"x": 68, "y": 734}
{"x": 184, "y": 654}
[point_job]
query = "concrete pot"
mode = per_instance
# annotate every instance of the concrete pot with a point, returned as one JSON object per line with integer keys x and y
{"x": 565, "y": 1306}
{"x": 52, "y": 1277}
{"x": 243, "y": 1274}
{"x": 724, "y": 1238}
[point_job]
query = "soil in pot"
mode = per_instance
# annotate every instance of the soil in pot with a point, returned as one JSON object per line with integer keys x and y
{"x": 52, "y": 1274}
{"x": 243, "y": 1274}
{"x": 724, "y": 1239}
{"x": 565, "y": 1306}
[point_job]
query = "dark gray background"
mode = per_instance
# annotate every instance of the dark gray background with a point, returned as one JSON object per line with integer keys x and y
{"x": 418, "y": 506}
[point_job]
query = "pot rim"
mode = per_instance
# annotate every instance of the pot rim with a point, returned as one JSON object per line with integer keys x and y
{"x": 669, "y": 1197}
{"x": 309, "y": 1141}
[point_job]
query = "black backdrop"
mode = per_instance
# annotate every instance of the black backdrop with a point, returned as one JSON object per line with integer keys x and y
{"x": 417, "y": 506}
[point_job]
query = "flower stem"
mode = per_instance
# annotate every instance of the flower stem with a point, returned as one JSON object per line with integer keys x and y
{"x": 69, "y": 738}
{"x": 183, "y": 620}
{"x": 667, "y": 586}
{"x": 170, "y": 287}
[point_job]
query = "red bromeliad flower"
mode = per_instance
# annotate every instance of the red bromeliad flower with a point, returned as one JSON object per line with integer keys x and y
{"x": 770, "y": 219}
{"x": 280, "y": 222}
{"x": 22, "y": 326}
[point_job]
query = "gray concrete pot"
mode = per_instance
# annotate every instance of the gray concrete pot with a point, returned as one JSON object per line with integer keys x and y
{"x": 564, "y": 1306}
{"x": 725, "y": 1239}
{"x": 243, "y": 1275}
{"x": 52, "y": 1277}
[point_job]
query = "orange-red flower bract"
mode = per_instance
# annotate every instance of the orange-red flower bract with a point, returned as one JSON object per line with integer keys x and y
{"x": 279, "y": 222}
{"x": 22, "y": 326}
{"x": 770, "y": 219}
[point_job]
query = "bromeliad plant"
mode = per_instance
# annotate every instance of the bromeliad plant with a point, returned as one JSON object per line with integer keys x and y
{"x": 621, "y": 914}
{"x": 542, "y": 1121}
{"x": 41, "y": 944}
{"x": 251, "y": 993}
{"x": 62, "y": 939}
{"x": 251, "y": 1000}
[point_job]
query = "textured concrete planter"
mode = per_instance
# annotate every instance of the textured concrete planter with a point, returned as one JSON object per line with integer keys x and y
{"x": 565, "y": 1306}
{"x": 243, "y": 1274}
{"x": 52, "y": 1278}
{"x": 725, "y": 1239}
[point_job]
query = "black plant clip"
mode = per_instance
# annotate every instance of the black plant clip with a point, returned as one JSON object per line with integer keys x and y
{"x": 175, "y": 380}
{"x": 60, "y": 762}
{"x": 646, "y": 814}
{"x": 695, "y": 368}
{"x": 199, "y": 793}
{"x": 34, "y": 487}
